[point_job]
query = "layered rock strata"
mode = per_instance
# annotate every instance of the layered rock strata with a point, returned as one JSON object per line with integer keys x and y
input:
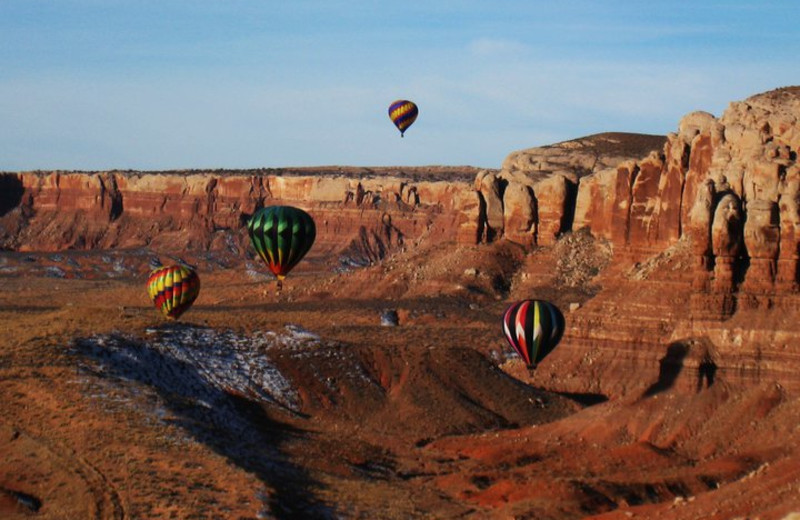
{"x": 728, "y": 185}
{"x": 206, "y": 210}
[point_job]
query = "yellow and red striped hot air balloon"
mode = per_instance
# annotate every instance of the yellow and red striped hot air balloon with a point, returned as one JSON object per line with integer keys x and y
{"x": 403, "y": 113}
{"x": 173, "y": 289}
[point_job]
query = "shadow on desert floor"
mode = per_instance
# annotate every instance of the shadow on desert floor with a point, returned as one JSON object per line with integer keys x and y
{"x": 235, "y": 426}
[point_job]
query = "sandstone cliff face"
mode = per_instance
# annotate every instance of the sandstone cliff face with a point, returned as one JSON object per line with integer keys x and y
{"x": 533, "y": 200}
{"x": 361, "y": 211}
{"x": 704, "y": 232}
{"x": 705, "y": 246}
{"x": 728, "y": 185}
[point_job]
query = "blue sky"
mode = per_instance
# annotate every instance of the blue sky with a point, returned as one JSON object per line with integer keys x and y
{"x": 104, "y": 84}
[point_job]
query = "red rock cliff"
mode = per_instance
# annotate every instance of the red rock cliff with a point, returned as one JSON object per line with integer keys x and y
{"x": 728, "y": 186}
{"x": 704, "y": 281}
{"x": 172, "y": 211}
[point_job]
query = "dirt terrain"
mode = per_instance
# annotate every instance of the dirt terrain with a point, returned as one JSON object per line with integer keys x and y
{"x": 302, "y": 404}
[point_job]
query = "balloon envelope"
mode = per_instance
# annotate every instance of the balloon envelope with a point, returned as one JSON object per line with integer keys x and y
{"x": 282, "y": 235}
{"x": 533, "y": 328}
{"x": 173, "y": 289}
{"x": 403, "y": 113}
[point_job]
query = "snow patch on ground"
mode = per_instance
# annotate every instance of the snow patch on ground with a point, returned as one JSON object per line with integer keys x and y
{"x": 201, "y": 365}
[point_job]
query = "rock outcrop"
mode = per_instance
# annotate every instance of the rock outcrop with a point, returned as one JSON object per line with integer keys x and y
{"x": 729, "y": 185}
{"x": 707, "y": 230}
{"x": 539, "y": 186}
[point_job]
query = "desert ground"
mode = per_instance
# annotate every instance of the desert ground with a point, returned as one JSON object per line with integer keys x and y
{"x": 302, "y": 404}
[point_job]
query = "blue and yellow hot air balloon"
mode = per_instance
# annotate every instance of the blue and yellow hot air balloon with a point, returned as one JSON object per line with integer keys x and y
{"x": 403, "y": 113}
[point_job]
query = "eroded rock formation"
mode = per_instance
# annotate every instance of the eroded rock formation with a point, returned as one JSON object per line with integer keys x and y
{"x": 729, "y": 185}
{"x": 364, "y": 212}
{"x": 540, "y": 186}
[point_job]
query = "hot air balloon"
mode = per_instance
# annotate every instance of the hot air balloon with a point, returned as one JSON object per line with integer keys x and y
{"x": 173, "y": 289}
{"x": 282, "y": 235}
{"x": 533, "y": 328}
{"x": 403, "y": 113}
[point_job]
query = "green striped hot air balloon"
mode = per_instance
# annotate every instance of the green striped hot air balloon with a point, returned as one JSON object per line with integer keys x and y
{"x": 282, "y": 235}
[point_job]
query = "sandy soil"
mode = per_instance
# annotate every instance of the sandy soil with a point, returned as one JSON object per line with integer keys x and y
{"x": 302, "y": 405}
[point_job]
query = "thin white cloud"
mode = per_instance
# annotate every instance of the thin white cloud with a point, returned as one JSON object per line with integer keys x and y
{"x": 494, "y": 47}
